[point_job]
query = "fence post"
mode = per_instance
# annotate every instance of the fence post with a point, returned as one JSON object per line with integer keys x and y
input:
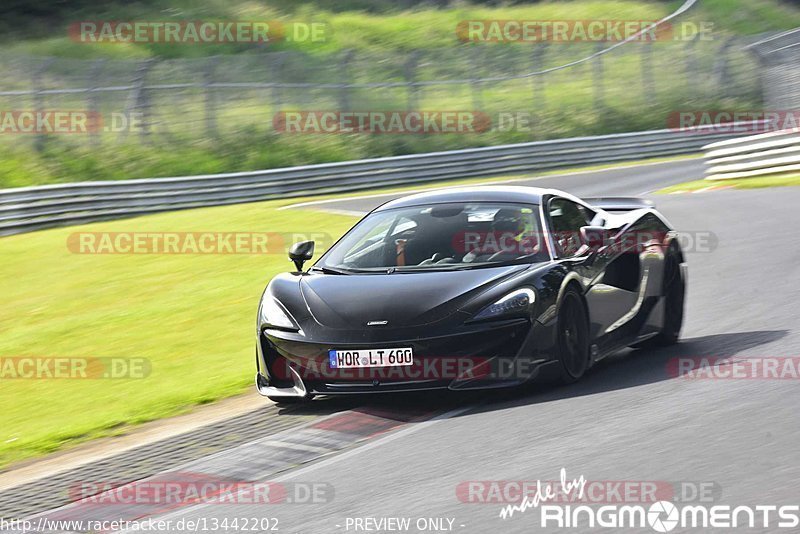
{"x": 91, "y": 102}
{"x": 597, "y": 73}
{"x": 38, "y": 98}
{"x": 476, "y": 68}
{"x": 691, "y": 65}
{"x": 411, "y": 77}
{"x": 648, "y": 85}
{"x": 721, "y": 70}
{"x": 537, "y": 81}
{"x": 141, "y": 100}
{"x": 210, "y": 100}
{"x": 344, "y": 90}
{"x": 276, "y": 61}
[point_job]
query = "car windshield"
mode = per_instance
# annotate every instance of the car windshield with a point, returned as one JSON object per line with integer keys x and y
{"x": 439, "y": 237}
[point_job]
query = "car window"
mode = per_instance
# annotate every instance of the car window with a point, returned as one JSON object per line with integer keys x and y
{"x": 442, "y": 236}
{"x": 377, "y": 234}
{"x": 566, "y": 220}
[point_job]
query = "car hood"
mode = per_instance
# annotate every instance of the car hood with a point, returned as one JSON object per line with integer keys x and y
{"x": 401, "y": 299}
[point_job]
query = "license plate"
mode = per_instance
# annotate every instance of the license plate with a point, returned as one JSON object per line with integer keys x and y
{"x": 349, "y": 359}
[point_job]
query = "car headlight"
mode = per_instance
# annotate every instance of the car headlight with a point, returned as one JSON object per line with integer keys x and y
{"x": 516, "y": 301}
{"x": 272, "y": 314}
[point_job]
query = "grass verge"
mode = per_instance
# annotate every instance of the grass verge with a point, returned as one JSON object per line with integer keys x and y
{"x": 190, "y": 316}
{"x": 740, "y": 183}
{"x": 362, "y": 25}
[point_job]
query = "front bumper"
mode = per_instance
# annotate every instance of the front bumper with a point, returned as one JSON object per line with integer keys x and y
{"x": 481, "y": 356}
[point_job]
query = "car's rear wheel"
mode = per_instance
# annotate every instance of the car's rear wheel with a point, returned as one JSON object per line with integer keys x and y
{"x": 573, "y": 337}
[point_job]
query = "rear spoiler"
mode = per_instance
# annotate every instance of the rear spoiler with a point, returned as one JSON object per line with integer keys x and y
{"x": 620, "y": 203}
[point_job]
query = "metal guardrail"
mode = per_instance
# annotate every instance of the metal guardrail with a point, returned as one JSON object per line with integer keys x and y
{"x": 32, "y": 208}
{"x": 766, "y": 154}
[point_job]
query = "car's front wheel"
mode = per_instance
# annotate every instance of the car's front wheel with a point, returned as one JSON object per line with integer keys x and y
{"x": 573, "y": 337}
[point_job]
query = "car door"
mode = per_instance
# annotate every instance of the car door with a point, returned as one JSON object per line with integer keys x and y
{"x": 607, "y": 303}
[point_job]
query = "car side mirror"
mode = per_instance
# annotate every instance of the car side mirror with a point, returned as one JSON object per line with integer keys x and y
{"x": 301, "y": 252}
{"x": 595, "y": 237}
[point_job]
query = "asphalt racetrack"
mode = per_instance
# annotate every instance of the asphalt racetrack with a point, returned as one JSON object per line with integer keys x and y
{"x": 630, "y": 421}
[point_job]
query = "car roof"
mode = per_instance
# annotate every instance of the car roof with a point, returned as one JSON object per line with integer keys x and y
{"x": 482, "y": 193}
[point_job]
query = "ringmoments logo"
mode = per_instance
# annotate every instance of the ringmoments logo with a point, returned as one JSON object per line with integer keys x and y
{"x": 660, "y": 516}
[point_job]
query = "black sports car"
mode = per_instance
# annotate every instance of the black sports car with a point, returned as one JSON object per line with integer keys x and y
{"x": 479, "y": 287}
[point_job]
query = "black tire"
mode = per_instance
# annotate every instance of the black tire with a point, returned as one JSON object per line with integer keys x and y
{"x": 674, "y": 291}
{"x": 291, "y": 400}
{"x": 573, "y": 337}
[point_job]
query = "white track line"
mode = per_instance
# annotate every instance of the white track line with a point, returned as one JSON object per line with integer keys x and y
{"x": 332, "y": 458}
{"x": 184, "y": 465}
{"x": 409, "y": 428}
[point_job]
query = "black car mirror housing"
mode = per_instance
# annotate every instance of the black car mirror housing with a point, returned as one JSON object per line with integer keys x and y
{"x": 594, "y": 237}
{"x": 300, "y": 253}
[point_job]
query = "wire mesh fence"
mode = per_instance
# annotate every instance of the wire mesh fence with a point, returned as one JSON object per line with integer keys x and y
{"x": 634, "y": 88}
{"x": 779, "y": 56}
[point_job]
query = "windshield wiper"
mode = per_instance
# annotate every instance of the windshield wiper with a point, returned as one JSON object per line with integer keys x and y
{"x": 426, "y": 269}
{"x": 330, "y": 270}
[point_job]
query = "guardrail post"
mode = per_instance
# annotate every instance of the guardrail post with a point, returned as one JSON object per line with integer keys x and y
{"x": 38, "y": 98}
{"x": 344, "y": 70}
{"x": 537, "y": 81}
{"x": 597, "y": 78}
{"x": 410, "y": 70}
{"x": 210, "y": 101}
{"x": 91, "y": 102}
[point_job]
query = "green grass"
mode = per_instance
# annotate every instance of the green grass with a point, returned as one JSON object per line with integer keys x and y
{"x": 739, "y": 183}
{"x": 366, "y": 25}
{"x": 191, "y": 316}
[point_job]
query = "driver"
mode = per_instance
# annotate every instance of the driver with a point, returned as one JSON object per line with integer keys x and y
{"x": 512, "y": 234}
